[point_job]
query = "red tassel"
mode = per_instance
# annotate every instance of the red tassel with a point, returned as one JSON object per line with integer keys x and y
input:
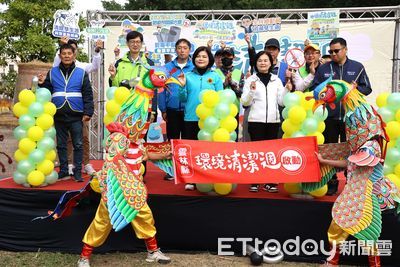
{"x": 336, "y": 256}
{"x": 151, "y": 244}
{"x": 374, "y": 261}
{"x": 87, "y": 251}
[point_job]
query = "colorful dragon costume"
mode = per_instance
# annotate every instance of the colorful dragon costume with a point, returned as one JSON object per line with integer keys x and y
{"x": 123, "y": 193}
{"x": 357, "y": 210}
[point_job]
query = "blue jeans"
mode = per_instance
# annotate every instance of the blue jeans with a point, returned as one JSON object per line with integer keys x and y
{"x": 63, "y": 130}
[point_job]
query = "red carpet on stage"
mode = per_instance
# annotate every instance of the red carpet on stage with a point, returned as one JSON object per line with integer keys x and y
{"x": 156, "y": 185}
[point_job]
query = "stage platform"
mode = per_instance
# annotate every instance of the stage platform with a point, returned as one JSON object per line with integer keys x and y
{"x": 185, "y": 220}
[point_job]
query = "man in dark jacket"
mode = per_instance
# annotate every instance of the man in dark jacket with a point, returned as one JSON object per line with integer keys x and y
{"x": 351, "y": 71}
{"x": 72, "y": 94}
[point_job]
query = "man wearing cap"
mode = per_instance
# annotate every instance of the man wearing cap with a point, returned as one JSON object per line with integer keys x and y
{"x": 351, "y": 71}
{"x": 233, "y": 77}
{"x": 305, "y": 75}
{"x": 272, "y": 47}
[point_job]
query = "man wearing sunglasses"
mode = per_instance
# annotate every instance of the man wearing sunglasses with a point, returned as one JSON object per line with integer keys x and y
{"x": 351, "y": 71}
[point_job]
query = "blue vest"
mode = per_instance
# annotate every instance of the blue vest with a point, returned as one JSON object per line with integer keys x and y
{"x": 67, "y": 90}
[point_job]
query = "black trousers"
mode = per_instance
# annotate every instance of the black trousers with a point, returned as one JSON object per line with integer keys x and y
{"x": 175, "y": 124}
{"x": 263, "y": 131}
{"x": 191, "y": 129}
{"x": 334, "y": 131}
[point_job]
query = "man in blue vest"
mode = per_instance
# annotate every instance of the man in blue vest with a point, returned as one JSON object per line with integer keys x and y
{"x": 72, "y": 94}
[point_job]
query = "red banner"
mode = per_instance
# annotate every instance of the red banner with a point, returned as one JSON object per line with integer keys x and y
{"x": 272, "y": 161}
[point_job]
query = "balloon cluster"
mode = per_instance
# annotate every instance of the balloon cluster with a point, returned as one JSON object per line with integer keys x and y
{"x": 217, "y": 123}
{"x": 116, "y": 97}
{"x": 389, "y": 109}
{"x": 300, "y": 120}
{"x": 36, "y": 148}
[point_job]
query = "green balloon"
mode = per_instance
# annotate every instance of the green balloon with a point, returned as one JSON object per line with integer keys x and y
{"x": 51, "y": 178}
{"x": 46, "y": 144}
{"x": 205, "y": 188}
{"x": 25, "y": 167}
{"x": 290, "y": 100}
{"x": 111, "y": 92}
{"x": 204, "y": 135}
{"x": 26, "y": 121}
{"x": 51, "y": 132}
{"x": 36, "y": 156}
{"x": 19, "y": 178}
{"x": 393, "y": 101}
{"x": 227, "y": 96}
{"x": 392, "y": 156}
{"x": 36, "y": 109}
{"x": 222, "y": 110}
{"x": 386, "y": 113}
{"x": 397, "y": 143}
{"x": 387, "y": 169}
{"x": 43, "y": 95}
{"x": 211, "y": 124}
{"x": 298, "y": 134}
{"x": 310, "y": 125}
{"x": 232, "y": 136}
{"x": 285, "y": 113}
{"x": 321, "y": 114}
{"x": 19, "y": 133}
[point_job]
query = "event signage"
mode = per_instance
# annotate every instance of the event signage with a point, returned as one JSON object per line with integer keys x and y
{"x": 96, "y": 31}
{"x": 278, "y": 161}
{"x": 66, "y": 23}
{"x": 222, "y": 30}
{"x": 323, "y": 25}
{"x": 167, "y": 19}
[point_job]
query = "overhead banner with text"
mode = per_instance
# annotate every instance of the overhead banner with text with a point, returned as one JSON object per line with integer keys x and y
{"x": 273, "y": 161}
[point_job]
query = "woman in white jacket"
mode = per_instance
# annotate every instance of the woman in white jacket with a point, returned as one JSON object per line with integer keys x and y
{"x": 263, "y": 92}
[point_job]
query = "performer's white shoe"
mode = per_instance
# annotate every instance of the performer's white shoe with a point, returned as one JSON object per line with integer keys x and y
{"x": 158, "y": 256}
{"x": 89, "y": 169}
{"x": 83, "y": 262}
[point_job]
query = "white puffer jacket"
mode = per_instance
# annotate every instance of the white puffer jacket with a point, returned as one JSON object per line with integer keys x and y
{"x": 256, "y": 99}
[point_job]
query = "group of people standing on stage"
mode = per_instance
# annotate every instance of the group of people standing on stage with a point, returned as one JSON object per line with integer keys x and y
{"x": 260, "y": 92}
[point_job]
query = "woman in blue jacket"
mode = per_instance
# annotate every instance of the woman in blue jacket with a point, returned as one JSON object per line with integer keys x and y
{"x": 199, "y": 79}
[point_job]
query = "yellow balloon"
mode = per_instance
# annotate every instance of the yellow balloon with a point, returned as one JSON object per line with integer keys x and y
{"x": 51, "y": 155}
{"x": 210, "y": 98}
{"x": 223, "y": 189}
{"x": 35, "y": 133}
{"x": 320, "y": 137}
{"x": 95, "y": 185}
{"x": 19, "y": 109}
{"x": 286, "y": 135}
{"x": 50, "y": 108}
{"x": 113, "y": 108}
{"x": 381, "y": 99}
{"x": 391, "y": 144}
{"x": 46, "y": 167}
{"x": 320, "y": 192}
{"x": 201, "y": 124}
{"x": 321, "y": 126}
{"x": 26, "y": 145}
{"x": 233, "y": 110}
{"x": 297, "y": 114}
{"x": 292, "y": 188}
{"x": 19, "y": 155}
{"x": 393, "y": 129}
{"x": 26, "y": 97}
{"x": 398, "y": 115}
{"x": 202, "y": 111}
{"x": 221, "y": 135}
{"x": 229, "y": 123}
{"x": 302, "y": 96}
{"x": 395, "y": 179}
{"x": 36, "y": 178}
{"x": 45, "y": 121}
{"x": 121, "y": 95}
{"x": 289, "y": 128}
{"x": 108, "y": 119}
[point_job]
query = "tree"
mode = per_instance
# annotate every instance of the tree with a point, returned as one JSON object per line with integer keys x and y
{"x": 25, "y": 31}
{"x": 7, "y": 83}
